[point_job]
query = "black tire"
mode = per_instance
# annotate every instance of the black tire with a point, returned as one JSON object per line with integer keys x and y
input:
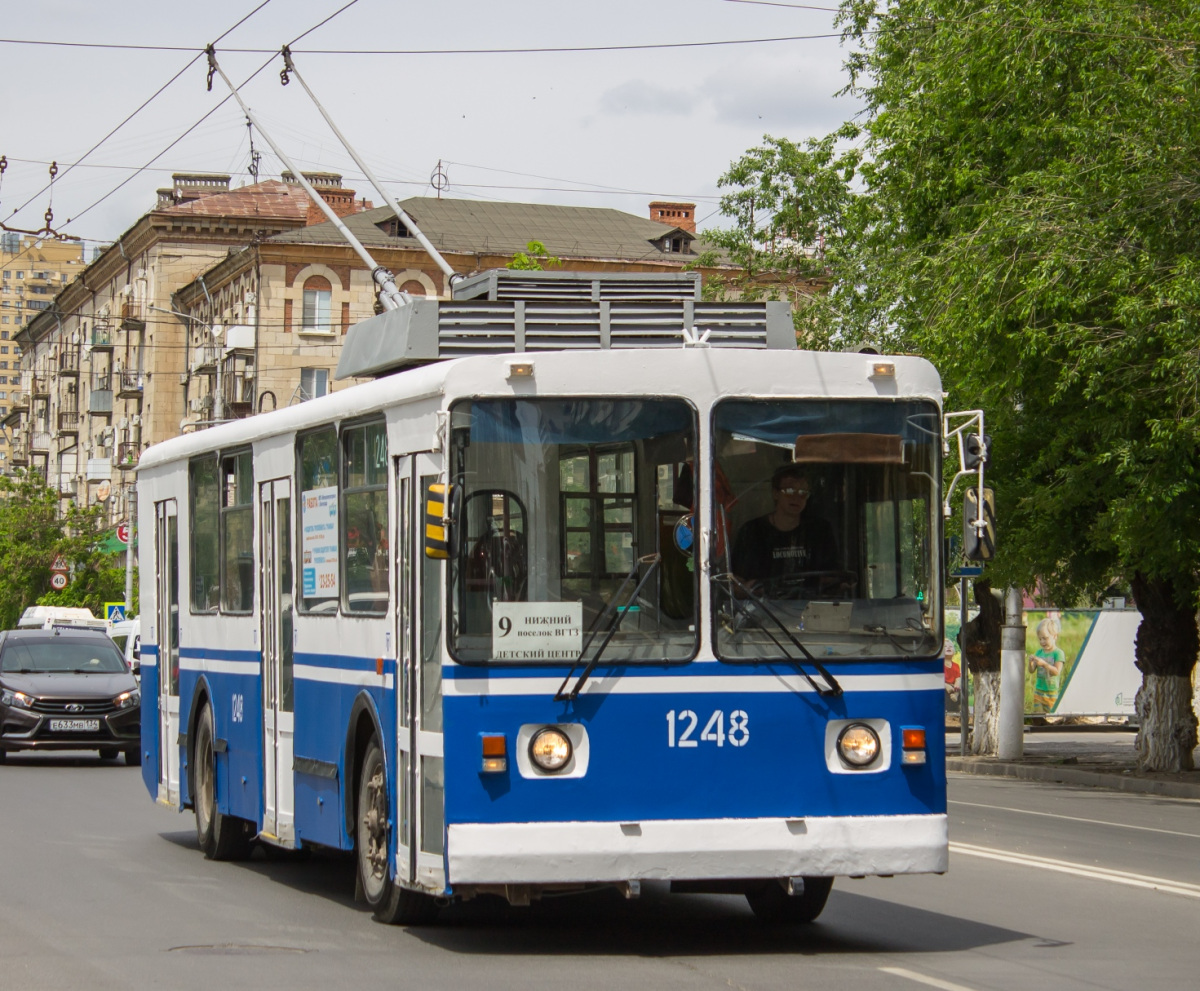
{"x": 390, "y": 903}
{"x": 3, "y": 756}
{"x": 221, "y": 837}
{"x": 109, "y": 753}
{"x": 772, "y": 904}
{"x": 133, "y": 756}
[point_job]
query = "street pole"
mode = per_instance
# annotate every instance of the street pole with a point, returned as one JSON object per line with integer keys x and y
{"x": 219, "y": 398}
{"x": 964, "y": 673}
{"x": 1012, "y": 679}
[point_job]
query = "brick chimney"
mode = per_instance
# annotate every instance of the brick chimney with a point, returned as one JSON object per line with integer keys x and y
{"x": 329, "y": 187}
{"x": 681, "y": 215}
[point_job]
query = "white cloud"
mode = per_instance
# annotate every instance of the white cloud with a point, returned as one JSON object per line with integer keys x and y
{"x": 640, "y": 97}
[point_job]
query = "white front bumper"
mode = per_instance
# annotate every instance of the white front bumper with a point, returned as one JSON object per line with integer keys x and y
{"x": 695, "y": 849}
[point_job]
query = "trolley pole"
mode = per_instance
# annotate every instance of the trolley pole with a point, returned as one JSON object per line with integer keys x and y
{"x": 964, "y": 672}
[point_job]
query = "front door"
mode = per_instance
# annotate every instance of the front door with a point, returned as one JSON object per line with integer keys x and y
{"x": 275, "y": 534}
{"x": 421, "y": 840}
{"x": 166, "y": 560}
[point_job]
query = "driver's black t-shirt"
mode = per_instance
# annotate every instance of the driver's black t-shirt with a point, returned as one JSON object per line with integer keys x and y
{"x": 763, "y": 553}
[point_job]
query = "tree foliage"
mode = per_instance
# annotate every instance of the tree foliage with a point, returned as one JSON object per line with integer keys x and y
{"x": 1022, "y": 205}
{"x": 535, "y": 258}
{"x": 33, "y": 534}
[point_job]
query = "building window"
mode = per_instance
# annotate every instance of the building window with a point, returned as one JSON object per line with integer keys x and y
{"x": 314, "y": 383}
{"x": 318, "y": 304}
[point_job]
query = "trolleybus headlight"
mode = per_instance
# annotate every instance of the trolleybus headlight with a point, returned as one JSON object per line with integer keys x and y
{"x": 858, "y": 745}
{"x": 550, "y": 749}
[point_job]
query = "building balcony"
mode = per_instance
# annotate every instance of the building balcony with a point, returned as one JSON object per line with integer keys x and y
{"x": 127, "y": 455}
{"x": 129, "y": 386}
{"x": 20, "y": 401}
{"x": 39, "y": 440}
{"x": 68, "y": 421}
{"x": 102, "y": 338}
{"x": 68, "y": 488}
{"x": 68, "y": 363}
{"x": 204, "y": 360}
{"x": 19, "y": 458}
{"x": 13, "y": 417}
{"x": 100, "y": 402}
{"x": 39, "y": 388}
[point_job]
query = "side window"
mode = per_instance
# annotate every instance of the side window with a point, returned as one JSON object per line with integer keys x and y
{"x": 317, "y": 538}
{"x": 364, "y": 519}
{"x": 237, "y": 533}
{"x": 205, "y": 544}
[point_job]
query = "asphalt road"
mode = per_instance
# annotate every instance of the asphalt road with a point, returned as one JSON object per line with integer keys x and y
{"x": 1049, "y": 888}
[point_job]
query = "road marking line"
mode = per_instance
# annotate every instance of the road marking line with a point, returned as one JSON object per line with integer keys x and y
{"x": 933, "y": 982}
{"x": 1081, "y": 870}
{"x": 1095, "y": 822}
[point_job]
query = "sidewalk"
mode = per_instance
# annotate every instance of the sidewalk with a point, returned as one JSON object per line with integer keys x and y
{"x": 1103, "y": 758}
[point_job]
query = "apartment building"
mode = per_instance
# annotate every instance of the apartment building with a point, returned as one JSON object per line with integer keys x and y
{"x": 265, "y": 325}
{"x": 101, "y": 363}
{"x": 32, "y": 271}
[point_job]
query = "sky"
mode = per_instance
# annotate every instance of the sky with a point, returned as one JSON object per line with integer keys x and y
{"x": 613, "y": 128}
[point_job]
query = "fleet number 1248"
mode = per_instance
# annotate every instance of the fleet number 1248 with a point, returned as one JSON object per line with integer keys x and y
{"x": 720, "y": 729}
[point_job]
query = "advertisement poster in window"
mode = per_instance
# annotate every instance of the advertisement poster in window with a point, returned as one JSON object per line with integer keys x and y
{"x": 319, "y": 543}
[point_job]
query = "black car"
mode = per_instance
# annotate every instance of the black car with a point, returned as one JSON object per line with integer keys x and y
{"x": 67, "y": 690}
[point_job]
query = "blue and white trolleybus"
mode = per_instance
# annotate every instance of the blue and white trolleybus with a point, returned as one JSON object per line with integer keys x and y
{"x": 566, "y": 597}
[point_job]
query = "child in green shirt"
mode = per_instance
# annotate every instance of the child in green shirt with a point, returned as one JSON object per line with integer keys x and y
{"x": 1048, "y": 663}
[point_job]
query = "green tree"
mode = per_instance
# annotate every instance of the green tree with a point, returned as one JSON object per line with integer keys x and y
{"x": 1031, "y": 171}
{"x": 1021, "y": 204}
{"x": 33, "y": 534}
{"x": 535, "y": 258}
{"x": 97, "y": 575}
{"x": 30, "y": 535}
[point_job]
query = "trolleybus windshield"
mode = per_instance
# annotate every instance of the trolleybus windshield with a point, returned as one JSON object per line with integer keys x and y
{"x": 556, "y": 503}
{"x": 826, "y": 528}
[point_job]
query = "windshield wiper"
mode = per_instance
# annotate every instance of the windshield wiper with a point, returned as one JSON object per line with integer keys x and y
{"x": 614, "y": 614}
{"x": 832, "y": 687}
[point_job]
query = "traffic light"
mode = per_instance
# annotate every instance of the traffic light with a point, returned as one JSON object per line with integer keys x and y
{"x": 979, "y": 545}
{"x": 976, "y": 451}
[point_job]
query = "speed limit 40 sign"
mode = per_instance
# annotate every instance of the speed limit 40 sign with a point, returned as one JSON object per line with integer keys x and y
{"x": 58, "y": 580}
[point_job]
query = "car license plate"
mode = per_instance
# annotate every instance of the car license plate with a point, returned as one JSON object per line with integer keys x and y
{"x": 74, "y": 725}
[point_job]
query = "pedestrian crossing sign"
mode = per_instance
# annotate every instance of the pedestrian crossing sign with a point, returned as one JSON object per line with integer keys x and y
{"x": 114, "y": 612}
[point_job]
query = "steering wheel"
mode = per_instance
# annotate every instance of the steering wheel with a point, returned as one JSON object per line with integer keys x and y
{"x": 826, "y": 584}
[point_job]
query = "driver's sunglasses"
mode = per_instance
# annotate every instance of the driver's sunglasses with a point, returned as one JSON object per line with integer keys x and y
{"x": 792, "y": 490}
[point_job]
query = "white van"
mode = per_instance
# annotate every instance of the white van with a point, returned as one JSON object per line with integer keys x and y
{"x": 127, "y": 635}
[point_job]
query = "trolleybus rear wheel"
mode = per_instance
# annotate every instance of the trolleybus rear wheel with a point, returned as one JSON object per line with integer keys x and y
{"x": 221, "y": 837}
{"x": 771, "y": 903}
{"x": 133, "y": 756}
{"x": 389, "y": 902}
{"x": 109, "y": 753}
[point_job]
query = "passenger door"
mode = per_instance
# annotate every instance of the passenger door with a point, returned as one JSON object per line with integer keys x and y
{"x": 275, "y": 535}
{"x": 166, "y": 559}
{"x": 420, "y": 842}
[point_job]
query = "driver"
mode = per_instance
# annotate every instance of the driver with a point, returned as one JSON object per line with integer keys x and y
{"x": 787, "y": 541}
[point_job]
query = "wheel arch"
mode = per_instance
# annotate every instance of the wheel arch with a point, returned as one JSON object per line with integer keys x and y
{"x": 202, "y": 695}
{"x": 364, "y": 723}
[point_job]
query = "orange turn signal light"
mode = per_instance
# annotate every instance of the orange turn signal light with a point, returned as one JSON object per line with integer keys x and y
{"x": 495, "y": 753}
{"x": 914, "y": 738}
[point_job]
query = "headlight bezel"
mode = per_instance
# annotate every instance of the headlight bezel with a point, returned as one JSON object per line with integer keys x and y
{"x": 546, "y": 764}
{"x": 128, "y": 700}
{"x": 16, "y": 700}
{"x": 852, "y": 757}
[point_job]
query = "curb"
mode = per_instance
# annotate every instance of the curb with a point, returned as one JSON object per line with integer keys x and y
{"x": 1113, "y": 780}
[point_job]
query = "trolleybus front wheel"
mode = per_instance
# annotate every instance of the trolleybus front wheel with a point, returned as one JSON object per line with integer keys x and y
{"x": 221, "y": 837}
{"x": 389, "y": 902}
{"x": 772, "y": 903}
